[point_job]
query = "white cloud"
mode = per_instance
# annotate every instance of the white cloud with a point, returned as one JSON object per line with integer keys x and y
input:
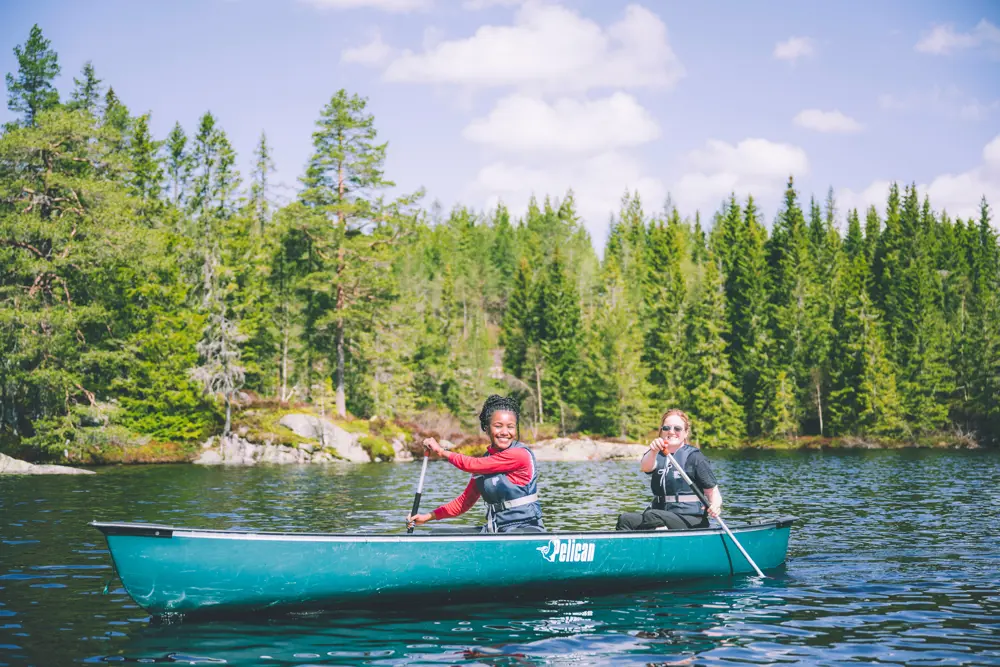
{"x": 753, "y": 166}
{"x": 375, "y": 52}
{"x": 475, "y": 5}
{"x": 943, "y": 39}
{"x": 949, "y": 101}
{"x": 827, "y": 121}
{"x": 550, "y": 48}
{"x": 598, "y": 184}
{"x": 794, "y": 48}
{"x": 529, "y": 125}
{"x": 958, "y": 194}
{"x": 400, "y": 6}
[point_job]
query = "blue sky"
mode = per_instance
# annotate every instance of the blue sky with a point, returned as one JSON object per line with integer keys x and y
{"x": 498, "y": 99}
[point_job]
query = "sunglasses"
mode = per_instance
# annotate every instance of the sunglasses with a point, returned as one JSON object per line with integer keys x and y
{"x": 675, "y": 429}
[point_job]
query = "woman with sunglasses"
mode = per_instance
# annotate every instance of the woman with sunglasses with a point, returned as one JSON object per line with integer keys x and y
{"x": 675, "y": 505}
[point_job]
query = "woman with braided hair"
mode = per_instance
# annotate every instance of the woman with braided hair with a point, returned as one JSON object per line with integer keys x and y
{"x": 505, "y": 477}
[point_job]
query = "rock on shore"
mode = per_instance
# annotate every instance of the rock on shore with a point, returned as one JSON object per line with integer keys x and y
{"x": 340, "y": 446}
{"x": 566, "y": 449}
{"x": 12, "y": 466}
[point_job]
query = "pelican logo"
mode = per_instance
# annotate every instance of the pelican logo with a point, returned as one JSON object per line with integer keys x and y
{"x": 567, "y": 551}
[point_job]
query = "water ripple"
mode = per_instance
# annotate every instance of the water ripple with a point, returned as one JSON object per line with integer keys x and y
{"x": 892, "y": 562}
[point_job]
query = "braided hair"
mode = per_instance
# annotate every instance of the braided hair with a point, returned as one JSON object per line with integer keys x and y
{"x": 496, "y": 403}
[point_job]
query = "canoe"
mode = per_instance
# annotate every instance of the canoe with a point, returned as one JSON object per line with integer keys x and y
{"x": 168, "y": 569}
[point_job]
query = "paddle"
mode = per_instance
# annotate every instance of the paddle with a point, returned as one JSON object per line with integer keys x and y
{"x": 703, "y": 499}
{"x": 420, "y": 489}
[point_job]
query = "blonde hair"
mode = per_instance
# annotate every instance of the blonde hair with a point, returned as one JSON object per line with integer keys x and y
{"x": 679, "y": 413}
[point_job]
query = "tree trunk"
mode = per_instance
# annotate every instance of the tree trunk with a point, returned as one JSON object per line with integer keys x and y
{"x": 538, "y": 387}
{"x": 229, "y": 411}
{"x": 284, "y": 362}
{"x": 819, "y": 405}
{"x": 341, "y": 400}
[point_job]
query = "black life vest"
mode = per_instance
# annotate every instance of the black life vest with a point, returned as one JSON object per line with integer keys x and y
{"x": 670, "y": 491}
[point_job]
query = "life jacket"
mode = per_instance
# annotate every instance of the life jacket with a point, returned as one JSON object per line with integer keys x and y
{"x": 508, "y": 504}
{"x": 670, "y": 491}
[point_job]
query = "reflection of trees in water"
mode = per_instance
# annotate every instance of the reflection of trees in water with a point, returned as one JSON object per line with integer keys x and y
{"x": 682, "y": 623}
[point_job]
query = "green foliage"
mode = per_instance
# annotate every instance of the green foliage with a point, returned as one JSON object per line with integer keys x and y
{"x": 378, "y": 448}
{"x": 128, "y": 260}
{"x": 31, "y": 91}
{"x": 715, "y": 400}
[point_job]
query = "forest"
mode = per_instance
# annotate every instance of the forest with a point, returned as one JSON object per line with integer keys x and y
{"x": 148, "y": 290}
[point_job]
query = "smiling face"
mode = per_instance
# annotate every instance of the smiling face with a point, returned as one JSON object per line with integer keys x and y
{"x": 674, "y": 431}
{"x": 503, "y": 428}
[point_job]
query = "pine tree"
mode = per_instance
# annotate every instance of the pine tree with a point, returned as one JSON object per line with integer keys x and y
{"x": 31, "y": 92}
{"x": 341, "y": 182}
{"x": 86, "y": 93}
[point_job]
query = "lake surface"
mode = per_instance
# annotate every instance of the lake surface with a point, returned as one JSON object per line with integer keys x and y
{"x": 895, "y": 560}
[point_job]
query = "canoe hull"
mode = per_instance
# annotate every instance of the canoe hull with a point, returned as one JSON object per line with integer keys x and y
{"x": 167, "y": 569}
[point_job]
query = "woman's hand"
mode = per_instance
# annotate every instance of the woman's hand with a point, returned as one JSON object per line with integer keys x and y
{"x": 418, "y": 519}
{"x": 714, "y": 501}
{"x": 432, "y": 445}
{"x": 657, "y": 445}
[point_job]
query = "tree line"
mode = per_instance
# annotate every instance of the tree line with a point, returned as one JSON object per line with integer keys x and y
{"x": 146, "y": 286}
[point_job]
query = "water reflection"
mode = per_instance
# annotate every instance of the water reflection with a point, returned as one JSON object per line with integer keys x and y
{"x": 684, "y": 622}
{"x": 894, "y": 561}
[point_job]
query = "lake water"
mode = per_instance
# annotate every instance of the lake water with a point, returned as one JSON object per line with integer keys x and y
{"x": 895, "y": 560}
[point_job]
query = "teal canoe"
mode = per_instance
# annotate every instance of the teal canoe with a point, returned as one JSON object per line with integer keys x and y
{"x": 168, "y": 569}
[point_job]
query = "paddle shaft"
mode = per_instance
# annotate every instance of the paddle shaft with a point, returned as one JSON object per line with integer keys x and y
{"x": 420, "y": 489}
{"x": 703, "y": 499}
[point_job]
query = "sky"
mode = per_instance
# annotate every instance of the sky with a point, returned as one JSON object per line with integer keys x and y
{"x": 496, "y": 100}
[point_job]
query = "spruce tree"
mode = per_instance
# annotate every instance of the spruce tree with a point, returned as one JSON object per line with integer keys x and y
{"x": 864, "y": 399}
{"x": 616, "y": 395}
{"x": 715, "y": 398}
{"x": 557, "y": 330}
{"x": 792, "y": 298}
{"x": 666, "y": 347}
{"x": 750, "y": 314}
{"x": 145, "y": 179}
{"x": 86, "y": 93}
{"x": 178, "y": 164}
{"x": 263, "y": 167}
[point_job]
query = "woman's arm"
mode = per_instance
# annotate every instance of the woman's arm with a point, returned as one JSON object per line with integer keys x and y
{"x": 648, "y": 463}
{"x": 460, "y": 505}
{"x": 714, "y": 496}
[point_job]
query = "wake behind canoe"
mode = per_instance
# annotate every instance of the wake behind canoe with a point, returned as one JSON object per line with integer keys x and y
{"x": 173, "y": 569}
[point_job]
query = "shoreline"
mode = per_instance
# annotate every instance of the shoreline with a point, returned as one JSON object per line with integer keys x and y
{"x": 569, "y": 449}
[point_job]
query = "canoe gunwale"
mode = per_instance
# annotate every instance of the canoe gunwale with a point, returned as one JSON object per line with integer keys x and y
{"x": 164, "y": 531}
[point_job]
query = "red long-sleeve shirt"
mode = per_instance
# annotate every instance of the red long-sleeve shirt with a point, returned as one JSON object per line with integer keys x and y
{"x": 516, "y": 462}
